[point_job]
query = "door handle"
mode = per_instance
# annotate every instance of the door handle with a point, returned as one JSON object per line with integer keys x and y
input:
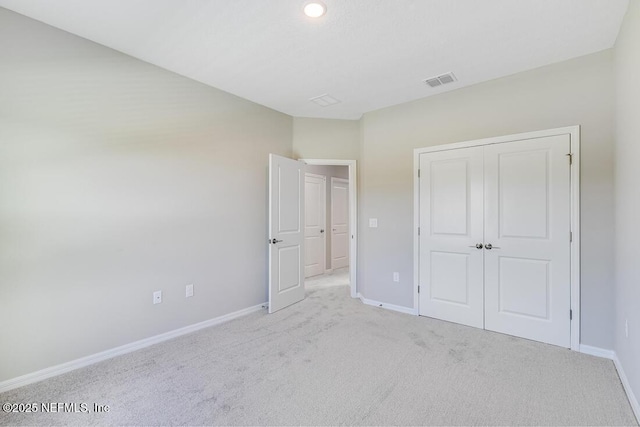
{"x": 274, "y": 241}
{"x": 322, "y": 231}
{"x": 477, "y": 246}
{"x": 489, "y": 246}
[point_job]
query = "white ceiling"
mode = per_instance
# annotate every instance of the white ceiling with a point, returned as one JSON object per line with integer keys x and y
{"x": 369, "y": 54}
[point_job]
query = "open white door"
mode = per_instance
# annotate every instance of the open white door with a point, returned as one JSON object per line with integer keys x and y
{"x": 286, "y": 232}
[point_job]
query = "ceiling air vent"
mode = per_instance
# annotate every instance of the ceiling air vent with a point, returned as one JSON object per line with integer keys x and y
{"x": 325, "y": 100}
{"x": 440, "y": 80}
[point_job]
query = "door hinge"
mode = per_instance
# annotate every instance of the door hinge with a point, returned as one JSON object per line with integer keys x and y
{"x": 570, "y": 155}
{"x": 570, "y": 314}
{"x": 418, "y": 288}
{"x": 418, "y": 231}
{"x": 418, "y": 173}
{"x": 571, "y": 236}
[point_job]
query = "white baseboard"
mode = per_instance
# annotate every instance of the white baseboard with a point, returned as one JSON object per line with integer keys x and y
{"x": 597, "y": 351}
{"x": 401, "y": 309}
{"x": 117, "y": 351}
{"x": 610, "y": 354}
{"x": 627, "y": 387}
{"x": 328, "y": 271}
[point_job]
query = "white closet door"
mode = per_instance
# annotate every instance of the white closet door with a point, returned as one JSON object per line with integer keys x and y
{"x": 527, "y": 224}
{"x": 451, "y": 216}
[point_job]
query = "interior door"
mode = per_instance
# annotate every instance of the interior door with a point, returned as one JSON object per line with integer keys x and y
{"x": 314, "y": 226}
{"x": 286, "y": 232}
{"x": 527, "y": 250}
{"x": 339, "y": 223}
{"x": 451, "y": 265}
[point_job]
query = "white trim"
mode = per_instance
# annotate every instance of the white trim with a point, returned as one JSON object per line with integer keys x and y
{"x": 399, "y": 308}
{"x": 328, "y": 271}
{"x": 353, "y": 213}
{"x": 574, "y": 132}
{"x": 416, "y": 227}
{"x": 627, "y": 387}
{"x": 597, "y": 351}
{"x": 575, "y": 232}
{"x": 117, "y": 351}
{"x": 612, "y": 355}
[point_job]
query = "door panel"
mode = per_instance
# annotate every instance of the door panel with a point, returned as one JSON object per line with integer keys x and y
{"x": 523, "y": 194}
{"x": 339, "y": 223}
{"x": 286, "y": 209}
{"x": 451, "y": 205}
{"x": 450, "y": 277}
{"x": 315, "y": 212}
{"x": 523, "y": 287}
{"x": 449, "y": 195}
{"x": 527, "y": 220}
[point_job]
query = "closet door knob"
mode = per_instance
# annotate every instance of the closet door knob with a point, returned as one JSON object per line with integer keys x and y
{"x": 489, "y": 246}
{"x": 477, "y": 246}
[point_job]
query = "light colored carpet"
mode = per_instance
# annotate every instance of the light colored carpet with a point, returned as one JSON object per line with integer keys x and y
{"x": 332, "y": 360}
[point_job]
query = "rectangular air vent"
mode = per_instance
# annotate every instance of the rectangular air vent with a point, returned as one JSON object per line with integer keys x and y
{"x": 441, "y": 80}
{"x": 325, "y": 100}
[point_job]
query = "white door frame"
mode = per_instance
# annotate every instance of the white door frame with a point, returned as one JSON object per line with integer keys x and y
{"x": 324, "y": 217}
{"x": 346, "y": 181}
{"x": 353, "y": 214}
{"x": 574, "y": 134}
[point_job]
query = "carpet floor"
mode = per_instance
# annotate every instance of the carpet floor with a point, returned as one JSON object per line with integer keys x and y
{"x": 330, "y": 360}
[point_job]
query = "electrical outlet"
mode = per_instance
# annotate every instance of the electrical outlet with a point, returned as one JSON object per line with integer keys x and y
{"x": 189, "y": 291}
{"x": 396, "y": 276}
{"x": 626, "y": 328}
{"x": 157, "y": 297}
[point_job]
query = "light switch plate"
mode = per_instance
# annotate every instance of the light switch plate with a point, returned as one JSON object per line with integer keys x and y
{"x": 373, "y": 222}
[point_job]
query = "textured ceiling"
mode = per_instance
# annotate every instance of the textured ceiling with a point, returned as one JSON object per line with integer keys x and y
{"x": 369, "y": 54}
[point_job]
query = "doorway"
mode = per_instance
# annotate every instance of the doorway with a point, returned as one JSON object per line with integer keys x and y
{"x": 340, "y": 234}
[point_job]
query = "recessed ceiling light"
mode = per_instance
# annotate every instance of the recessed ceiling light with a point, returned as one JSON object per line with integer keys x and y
{"x": 315, "y": 9}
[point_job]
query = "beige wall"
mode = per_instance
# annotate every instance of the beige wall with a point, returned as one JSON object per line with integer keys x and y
{"x": 575, "y": 92}
{"x": 117, "y": 179}
{"x": 627, "y": 196}
{"x": 326, "y": 139}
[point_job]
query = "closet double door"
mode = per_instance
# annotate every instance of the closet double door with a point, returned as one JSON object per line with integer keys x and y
{"x": 494, "y": 245}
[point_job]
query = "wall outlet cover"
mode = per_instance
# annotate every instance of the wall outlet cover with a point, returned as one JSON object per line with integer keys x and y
{"x": 157, "y": 297}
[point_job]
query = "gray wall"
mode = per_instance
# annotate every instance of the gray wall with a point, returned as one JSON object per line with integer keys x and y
{"x": 118, "y": 178}
{"x": 328, "y": 172}
{"x": 575, "y": 92}
{"x": 627, "y": 196}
